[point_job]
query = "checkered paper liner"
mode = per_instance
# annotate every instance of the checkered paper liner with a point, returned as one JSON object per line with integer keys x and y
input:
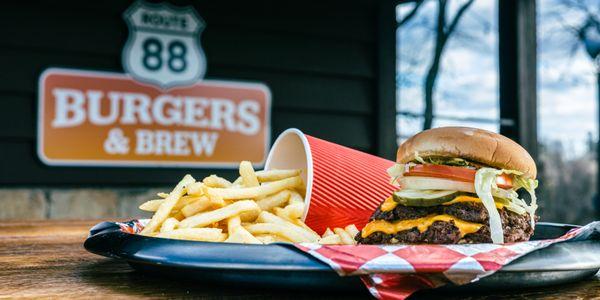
{"x": 397, "y": 271}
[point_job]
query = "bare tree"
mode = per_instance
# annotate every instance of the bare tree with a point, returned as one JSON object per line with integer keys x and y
{"x": 413, "y": 12}
{"x": 444, "y": 30}
{"x": 567, "y": 26}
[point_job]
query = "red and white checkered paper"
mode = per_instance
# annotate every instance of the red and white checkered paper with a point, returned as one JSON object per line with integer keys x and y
{"x": 395, "y": 272}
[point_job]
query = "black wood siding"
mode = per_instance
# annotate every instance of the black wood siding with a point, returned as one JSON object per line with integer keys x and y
{"x": 318, "y": 58}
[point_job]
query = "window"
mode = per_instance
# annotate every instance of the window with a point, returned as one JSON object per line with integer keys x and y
{"x": 568, "y": 36}
{"x": 453, "y": 67}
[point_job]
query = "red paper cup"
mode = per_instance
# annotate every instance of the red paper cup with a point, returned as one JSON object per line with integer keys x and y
{"x": 343, "y": 186}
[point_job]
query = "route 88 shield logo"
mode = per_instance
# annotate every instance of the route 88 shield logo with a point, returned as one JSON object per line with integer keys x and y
{"x": 163, "y": 47}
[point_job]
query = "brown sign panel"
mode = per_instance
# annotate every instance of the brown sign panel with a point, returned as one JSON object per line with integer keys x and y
{"x": 107, "y": 119}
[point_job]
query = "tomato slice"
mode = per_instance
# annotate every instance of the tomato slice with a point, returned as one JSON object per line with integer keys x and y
{"x": 454, "y": 173}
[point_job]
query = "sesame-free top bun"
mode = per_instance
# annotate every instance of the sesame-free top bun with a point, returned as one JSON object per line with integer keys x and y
{"x": 477, "y": 145}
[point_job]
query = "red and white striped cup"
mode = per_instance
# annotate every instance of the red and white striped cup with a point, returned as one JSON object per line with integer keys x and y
{"x": 343, "y": 186}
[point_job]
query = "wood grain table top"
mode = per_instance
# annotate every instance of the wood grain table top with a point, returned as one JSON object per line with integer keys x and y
{"x": 46, "y": 259}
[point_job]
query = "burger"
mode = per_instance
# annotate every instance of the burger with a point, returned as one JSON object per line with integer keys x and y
{"x": 457, "y": 185}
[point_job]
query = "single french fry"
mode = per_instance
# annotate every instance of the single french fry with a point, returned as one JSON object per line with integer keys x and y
{"x": 275, "y": 200}
{"x": 162, "y": 195}
{"x": 242, "y": 236}
{"x": 280, "y": 213}
{"x": 238, "y": 234}
{"x": 216, "y": 182}
{"x": 265, "y": 238}
{"x": 217, "y": 201}
{"x": 233, "y": 223}
{"x": 169, "y": 224}
{"x": 151, "y": 205}
{"x": 292, "y": 211}
{"x": 295, "y": 197}
{"x": 351, "y": 230}
{"x": 249, "y": 216}
{"x": 165, "y": 208}
{"x": 274, "y": 175}
{"x": 328, "y": 232}
{"x": 277, "y": 229}
{"x": 195, "y": 207}
{"x": 177, "y": 215}
{"x": 195, "y": 234}
{"x": 344, "y": 236}
{"x": 239, "y": 182}
{"x": 299, "y": 222}
{"x": 207, "y": 218}
{"x": 247, "y": 173}
{"x": 195, "y": 189}
{"x": 267, "y": 217}
{"x": 257, "y": 191}
{"x": 271, "y": 238}
{"x": 332, "y": 239}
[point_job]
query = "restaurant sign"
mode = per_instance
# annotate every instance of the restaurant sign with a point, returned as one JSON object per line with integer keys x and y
{"x": 161, "y": 112}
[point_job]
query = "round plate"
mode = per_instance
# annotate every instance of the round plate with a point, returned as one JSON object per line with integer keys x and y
{"x": 283, "y": 265}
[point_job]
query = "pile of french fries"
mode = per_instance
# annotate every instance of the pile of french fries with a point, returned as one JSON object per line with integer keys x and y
{"x": 257, "y": 208}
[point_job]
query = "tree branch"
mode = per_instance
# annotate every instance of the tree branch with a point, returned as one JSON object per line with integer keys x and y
{"x": 412, "y": 13}
{"x": 457, "y": 17}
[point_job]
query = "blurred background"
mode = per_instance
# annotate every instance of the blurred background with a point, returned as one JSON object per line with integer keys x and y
{"x": 365, "y": 74}
{"x": 450, "y": 74}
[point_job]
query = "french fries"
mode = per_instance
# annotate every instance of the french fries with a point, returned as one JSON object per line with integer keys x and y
{"x": 249, "y": 178}
{"x": 169, "y": 225}
{"x": 257, "y": 191}
{"x": 165, "y": 208}
{"x": 216, "y": 181}
{"x": 259, "y": 207}
{"x": 273, "y": 175}
{"x": 206, "y": 218}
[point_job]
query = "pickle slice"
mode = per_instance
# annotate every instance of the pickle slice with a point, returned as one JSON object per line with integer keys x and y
{"x": 424, "y": 197}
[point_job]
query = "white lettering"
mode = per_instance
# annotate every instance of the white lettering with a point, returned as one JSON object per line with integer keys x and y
{"x": 163, "y": 142}
{"x": 248, "y": 113}
{"x": 74, "y": 107}
{"x": 144, "y": 144}
{"x": 172, "y": 115}
{"x": 204, "y": 142}
{"x": 222, "y": 112}
{"x": 195, "y": 112}
{"x": 136, "y": 104}
{"x": 69, "y": 110}
{"x": 180, "y": 143}
{"x": 95, "y": 108}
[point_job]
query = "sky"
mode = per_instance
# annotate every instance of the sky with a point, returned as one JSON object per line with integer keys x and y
{"x": 467, "y": 85}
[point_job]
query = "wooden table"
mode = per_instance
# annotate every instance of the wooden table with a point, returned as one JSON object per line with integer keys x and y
{"x": 47, "y": 259}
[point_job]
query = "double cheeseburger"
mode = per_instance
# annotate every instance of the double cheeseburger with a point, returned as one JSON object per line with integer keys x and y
{"x": 457, "y": 185}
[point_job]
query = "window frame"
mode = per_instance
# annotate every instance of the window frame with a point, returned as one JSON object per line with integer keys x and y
{"x": 517, "y": 76}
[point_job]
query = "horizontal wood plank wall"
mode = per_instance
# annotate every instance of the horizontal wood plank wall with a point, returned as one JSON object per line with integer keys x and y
{"x": 318, "y": 58}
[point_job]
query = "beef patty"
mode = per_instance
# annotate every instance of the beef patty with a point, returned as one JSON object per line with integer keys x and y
{"x": 516, "y": 227}
{"x": 468, "y": 211}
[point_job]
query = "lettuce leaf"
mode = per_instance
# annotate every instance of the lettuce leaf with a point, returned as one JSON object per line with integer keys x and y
{"x": 486, "y": 189}
{"x": 485, "y": 181}
{"x": 395, "y": 173}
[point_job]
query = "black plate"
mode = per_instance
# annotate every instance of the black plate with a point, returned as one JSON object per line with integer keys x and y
{"x": 283, "y": 265}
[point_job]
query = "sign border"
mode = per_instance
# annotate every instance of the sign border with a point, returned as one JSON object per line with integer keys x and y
{"x": 128, "y": 43}
{"x": 144, "y": 164}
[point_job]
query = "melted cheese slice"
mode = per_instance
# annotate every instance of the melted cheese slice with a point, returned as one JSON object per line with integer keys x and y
{"x": 390, "y": 204}
{"x": 470, "y": 199}
{"x": 421, "y": 224}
